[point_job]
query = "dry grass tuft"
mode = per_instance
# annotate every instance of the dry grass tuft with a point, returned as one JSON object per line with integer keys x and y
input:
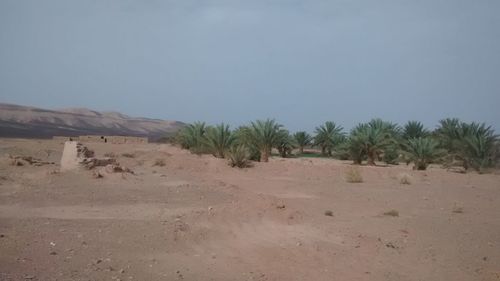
{"x": 405, "y": 179}
{"x": 159, "y": 162}
{"x": 128, "y": 155}
{"x": 110, "y": 155}
{"x": 353, "y": 175}
{"x": 392, "y": 213}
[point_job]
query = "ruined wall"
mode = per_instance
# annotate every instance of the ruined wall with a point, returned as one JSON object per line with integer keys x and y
{"x": 104, "y": 139}
{"x": 64, "y": 139}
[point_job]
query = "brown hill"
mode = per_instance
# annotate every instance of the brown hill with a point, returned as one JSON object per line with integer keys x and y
{"x": 32, "y": 122}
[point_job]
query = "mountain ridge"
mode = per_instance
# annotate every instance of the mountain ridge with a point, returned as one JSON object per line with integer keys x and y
{"x": 33, "y": 122}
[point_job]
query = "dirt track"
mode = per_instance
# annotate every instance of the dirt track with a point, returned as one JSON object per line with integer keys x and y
{"x": 198, "y": 219}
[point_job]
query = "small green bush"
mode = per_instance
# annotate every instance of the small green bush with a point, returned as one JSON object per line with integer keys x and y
{"x": 238, "y": 156}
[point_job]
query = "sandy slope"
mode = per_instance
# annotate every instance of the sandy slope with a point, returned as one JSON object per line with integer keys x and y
{"x": 198, "y": 219}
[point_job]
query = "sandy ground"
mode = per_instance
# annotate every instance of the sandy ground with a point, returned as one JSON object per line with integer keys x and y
{"x": 198, "y": 219}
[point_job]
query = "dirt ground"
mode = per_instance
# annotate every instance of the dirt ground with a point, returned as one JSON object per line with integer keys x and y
{"x": 196, "y": 218}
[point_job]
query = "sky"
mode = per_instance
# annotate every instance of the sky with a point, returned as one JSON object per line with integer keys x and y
{"x": 300, "y": 62}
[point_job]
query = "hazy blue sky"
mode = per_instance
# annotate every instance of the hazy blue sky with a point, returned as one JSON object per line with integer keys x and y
{"x": 301, "y": 62}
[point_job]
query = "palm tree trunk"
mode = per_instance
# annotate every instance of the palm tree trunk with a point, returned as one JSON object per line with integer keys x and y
{"x": 371, "y": 158}
{"x": 301, "y": 150}
{"x": 264, "y": 156}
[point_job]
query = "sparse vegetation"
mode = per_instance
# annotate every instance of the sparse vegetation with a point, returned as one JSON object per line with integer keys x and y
{"x": 473, "y": 145}
{"x": 353, "y": 175}
{"x": 128, "y": 155}
{"x": 329, "y": 213}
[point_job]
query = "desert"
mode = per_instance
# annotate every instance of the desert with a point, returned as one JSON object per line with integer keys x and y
{"x": 182, "y": 216}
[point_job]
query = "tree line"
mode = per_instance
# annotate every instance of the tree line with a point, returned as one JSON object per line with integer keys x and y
{"x": 453, "y": 142}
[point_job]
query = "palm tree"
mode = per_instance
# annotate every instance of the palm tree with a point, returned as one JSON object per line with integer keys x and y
{"x": 413, "y": 130}
{"x": 478, "y": 144}
{"x": 264, "y": 135}
{"x": 422, "y": 152}
{"x": 192, "y": 137}
{"x": 285, "y": 143}
{"x": 472, "y": 143}
{"x": 243, "y": 137}
{"x": 371, "y": 139}
{"x": 449, "y": 134}
{"x": 327, "y": 136}
{"x": 302, "y": 139}
{"x": 218, "y": 139}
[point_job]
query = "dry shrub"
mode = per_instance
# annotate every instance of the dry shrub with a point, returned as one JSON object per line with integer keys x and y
{"x": 329, "y": 213}
{"x": 353, "y": 175}
{"x": 405, "y": 179}
{"x": 392, "y": 213}
{"x": 128, "y": 155}
{"x": 110, "y": 154}
{"x": 159, "y": 163}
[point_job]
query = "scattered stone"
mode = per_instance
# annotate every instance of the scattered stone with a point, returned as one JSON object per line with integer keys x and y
{"x": 329, "y": 213}
{"x": 75, "y": 155}
{"x": 97, "y": 174}
{"x": 29, "y": 277}
{"x": 2, "y": 235}
{"x": 22, "y": 160}
{"x": 53, "y": 253}
{"x": 457, "y": 209}
{"x": 280, "y": 206}
{"x": 390, "y": 245}
{"x": 115, "y": 168}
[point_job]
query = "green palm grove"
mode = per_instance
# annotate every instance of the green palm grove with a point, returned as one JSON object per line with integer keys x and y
{"x": 453, "y": 142}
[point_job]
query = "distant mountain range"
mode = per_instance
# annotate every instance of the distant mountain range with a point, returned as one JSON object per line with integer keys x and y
{"x": 32, "y": 122}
